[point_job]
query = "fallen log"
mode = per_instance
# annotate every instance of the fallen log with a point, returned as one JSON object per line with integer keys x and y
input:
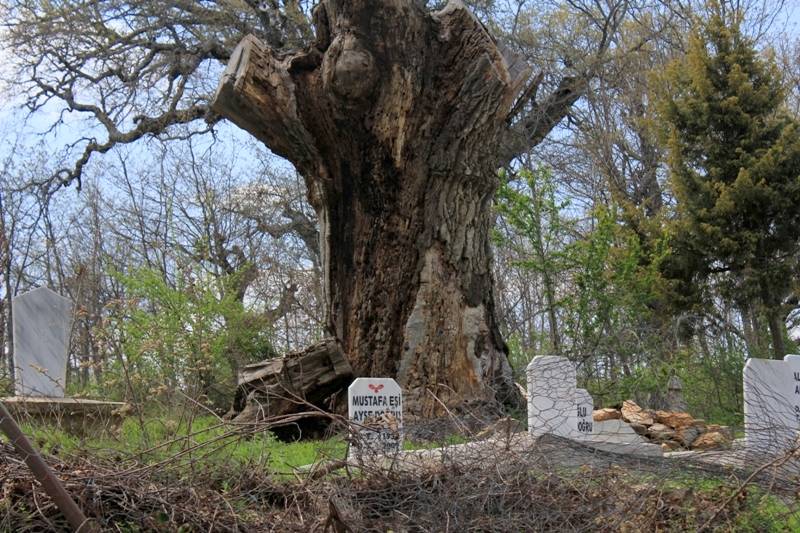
{"x": 285, "y": 385}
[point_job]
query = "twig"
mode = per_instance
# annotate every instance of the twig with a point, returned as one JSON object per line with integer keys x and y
{"x": 778, "y": 461}
{"x": 44, "y": 475}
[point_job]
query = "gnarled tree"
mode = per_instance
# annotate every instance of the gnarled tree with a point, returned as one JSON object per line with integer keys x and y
{"x": 398, "y": 119}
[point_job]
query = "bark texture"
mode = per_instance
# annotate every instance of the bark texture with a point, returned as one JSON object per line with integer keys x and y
{"x": 395, "y": 117}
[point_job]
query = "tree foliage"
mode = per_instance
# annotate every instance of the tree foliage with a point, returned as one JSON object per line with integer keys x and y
{"x": 588, "y": 261}
{"x": 734, "y": 159}
{"x": 598, "y": 282}
{"x": 192, "y": 338}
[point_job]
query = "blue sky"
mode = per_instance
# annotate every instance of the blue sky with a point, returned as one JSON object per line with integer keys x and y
{"x": 16, "y": 125}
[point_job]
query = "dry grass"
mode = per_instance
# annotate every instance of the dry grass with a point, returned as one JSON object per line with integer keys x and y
{"x": 506, "y": 484}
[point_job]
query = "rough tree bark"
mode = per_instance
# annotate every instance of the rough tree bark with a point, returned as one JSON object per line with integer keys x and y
{"x": 398, "y": 119}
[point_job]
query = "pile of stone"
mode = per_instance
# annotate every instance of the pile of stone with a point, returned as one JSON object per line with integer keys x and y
{"x": 673, "y": 430}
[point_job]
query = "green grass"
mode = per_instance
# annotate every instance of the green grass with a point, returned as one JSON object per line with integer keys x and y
{"x": 763, "y": 512}
{"x": 202, "y": 439}
{"x": 449, "y": 441}
{"x": 768, "y": 513}
{"x": 157, "y": 439}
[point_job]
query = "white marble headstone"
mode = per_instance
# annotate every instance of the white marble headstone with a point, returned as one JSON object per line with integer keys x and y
{"x": 42, "y": 324}
{"x": 772, "y": 404}
{"x": 584, "y": 407}
{"x": 551, "y": 396}
{"x": 375, "y": 406}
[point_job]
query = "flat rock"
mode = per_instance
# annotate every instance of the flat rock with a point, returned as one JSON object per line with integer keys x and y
{"x": 616, "y": 431}
{"x": 711, "y": 440}
{"x": 631, "y": 412}
{"x": 606, "y": 413}
{"x": 670, "y": 446}
{"x": 687, "y": 435}
{"x": 660, "y": 432}
{"x": 725, "y": 430}
{"x": 675, "y": 420}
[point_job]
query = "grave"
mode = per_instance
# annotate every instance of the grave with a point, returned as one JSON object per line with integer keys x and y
{"x": 675, "y": 401}
{"x": 583, "y": 414}
{"x": 557, "y": 407}
{"x": 42, "y": 323}
{"x": 375, "y": 408}
{"x": 42, "y": 320}
{"x": 772, "y": 405}
{"x": 551, "y": 396}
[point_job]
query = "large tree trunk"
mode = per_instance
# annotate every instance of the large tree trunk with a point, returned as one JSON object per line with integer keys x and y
{"x": 395, "y": 117}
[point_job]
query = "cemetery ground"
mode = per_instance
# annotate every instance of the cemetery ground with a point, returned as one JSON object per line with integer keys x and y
{"x": 187, "y": 470}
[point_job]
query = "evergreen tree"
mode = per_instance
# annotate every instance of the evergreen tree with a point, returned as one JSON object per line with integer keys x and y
{"x": 735, "y": 166}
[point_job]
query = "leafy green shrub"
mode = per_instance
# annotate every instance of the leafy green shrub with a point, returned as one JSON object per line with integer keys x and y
{"x": 190, "y": 338}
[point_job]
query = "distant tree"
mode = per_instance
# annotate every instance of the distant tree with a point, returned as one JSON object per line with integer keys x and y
{"x": 529, "y": 205}
{"x": 735, "y": 167}
{"x": 192, "y": 337}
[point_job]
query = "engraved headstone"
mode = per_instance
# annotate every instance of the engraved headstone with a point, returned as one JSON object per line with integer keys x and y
{"x": 551, "y": 396}
{"x": 584, "y": 407}
{"x": 42, "y": 323}
{"x": 375, "y": 406}
{"x": 772, "y": 404}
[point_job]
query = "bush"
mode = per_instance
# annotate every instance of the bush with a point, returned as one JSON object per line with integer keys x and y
{"x": 191, "y": 338}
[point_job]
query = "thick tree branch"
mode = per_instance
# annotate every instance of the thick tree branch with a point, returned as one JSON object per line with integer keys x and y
{"x": 300, "y": 225}
{"x": 542, "y": 117}
{"x": 528, "y": 129}
{"x": 257, "y": 94}
{"x": 115, "y": 60}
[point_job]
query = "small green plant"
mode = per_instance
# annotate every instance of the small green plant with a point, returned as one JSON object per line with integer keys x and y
{"x": 190, "y": 338}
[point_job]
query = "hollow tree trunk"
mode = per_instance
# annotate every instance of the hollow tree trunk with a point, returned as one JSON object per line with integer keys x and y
{"x": 395, "y": 116}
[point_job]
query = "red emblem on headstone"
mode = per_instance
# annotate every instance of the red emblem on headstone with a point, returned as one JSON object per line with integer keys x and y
{"x": 375, "y": 388}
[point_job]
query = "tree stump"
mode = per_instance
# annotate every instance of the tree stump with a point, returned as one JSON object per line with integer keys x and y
{"x": 295, "y": 383}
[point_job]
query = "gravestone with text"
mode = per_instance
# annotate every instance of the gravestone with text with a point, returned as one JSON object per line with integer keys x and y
{"x": 42, "y": 324}
{"x": 375, "y": 407}
{"x": 772, "y": 405}
{"x": 551, "y": 396}
{"x": 584, "y": 407}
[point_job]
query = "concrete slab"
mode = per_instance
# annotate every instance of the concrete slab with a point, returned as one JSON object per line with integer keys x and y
{"x": 645, "y": 449}
{"x": 616, "y": 431}
{"x": 78, "y": 416}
